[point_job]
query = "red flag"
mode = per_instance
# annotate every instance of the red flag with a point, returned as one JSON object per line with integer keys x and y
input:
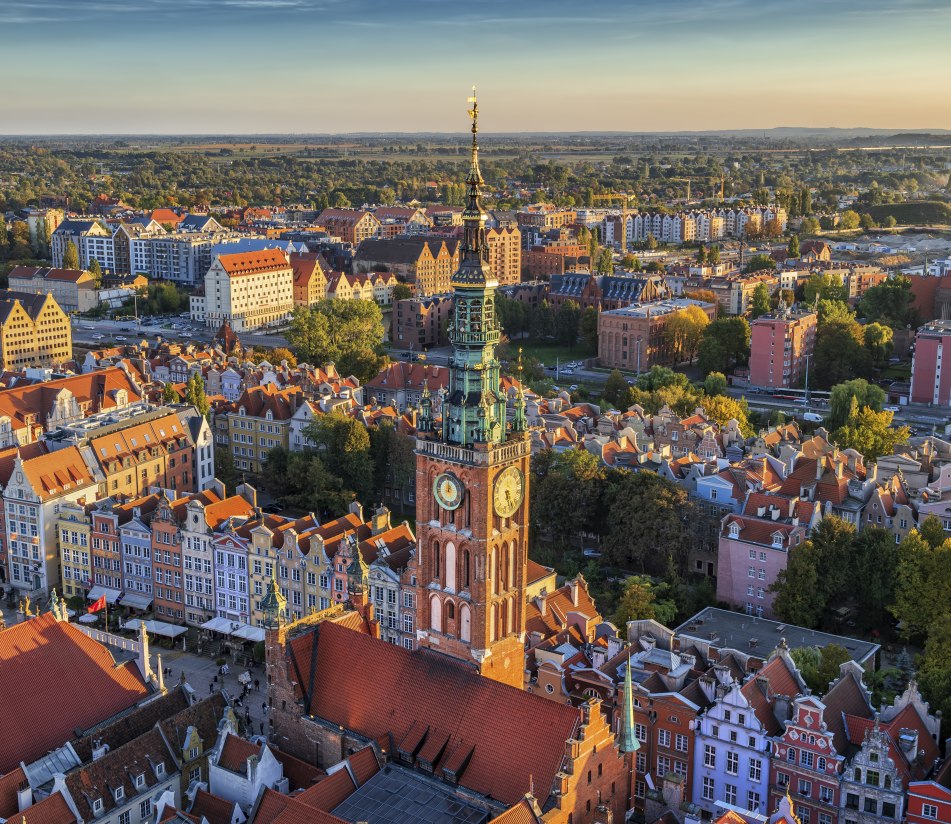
{"x": 98, "y": 605}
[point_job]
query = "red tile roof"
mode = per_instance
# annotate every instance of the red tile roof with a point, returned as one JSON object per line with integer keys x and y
{"x": 50, "y": 810}
{"x": 299, "y": 774}
{"x": 236, "y": 752}
{"x": 53, "y": 680}
{"x": 275, "y": 808}
{"x": 216, "y": 810}
{"x": 9, "y": 784}
{"x": 521, "y": 813}
{"x": 375, "y": 688}
{"x": 776, "y": 678}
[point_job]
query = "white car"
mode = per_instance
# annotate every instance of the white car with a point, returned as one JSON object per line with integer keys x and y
{"x": 98, "y": 337}
{"x": 891, "y": 409}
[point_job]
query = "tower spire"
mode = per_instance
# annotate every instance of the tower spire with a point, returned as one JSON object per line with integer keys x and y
{"x": 474, "y": 249}
{"x": 629, "y": 742}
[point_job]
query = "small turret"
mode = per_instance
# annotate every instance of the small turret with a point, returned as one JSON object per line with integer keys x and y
{"x": 273, "y": 605}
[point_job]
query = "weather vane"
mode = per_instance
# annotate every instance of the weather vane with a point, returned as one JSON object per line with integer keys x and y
{"x": 474, "y": 111}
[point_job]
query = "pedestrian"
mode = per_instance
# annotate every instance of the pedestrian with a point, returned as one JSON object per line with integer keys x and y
{"x": 264, "y": 707}
{"x": 262, "y": 728}
{"x": 257, "y": 685}
{"x": 211, "y": 688}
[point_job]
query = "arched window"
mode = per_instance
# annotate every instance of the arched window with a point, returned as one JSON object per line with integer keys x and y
{"x": 436, "y": 559}
{"x": 451, "y": 566}
{"x": 450, "y": 610}
{"x": 490, "y": 572}
{"x": 435, "y": 613}
{"x": 465, "y": 568}
{"x": 493, "y": 624}
{"x": 465, "y": 623}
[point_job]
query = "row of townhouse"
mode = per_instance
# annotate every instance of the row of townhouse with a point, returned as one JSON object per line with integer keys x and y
{"x": 739, "y": 731}
{"x": 691, "y": 226}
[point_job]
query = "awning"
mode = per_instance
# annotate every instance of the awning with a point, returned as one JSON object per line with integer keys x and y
{"x": 249, "y": 633}
{"x": 222, "y": 625}
{"x": 136, "y": 600}
{"x": 112, "y": 595}
{"x": 156, "y": 627}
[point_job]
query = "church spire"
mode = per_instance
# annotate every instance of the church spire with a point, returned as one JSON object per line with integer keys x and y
{"x": 474, "y": 257}
{"x": 629, "y": 742}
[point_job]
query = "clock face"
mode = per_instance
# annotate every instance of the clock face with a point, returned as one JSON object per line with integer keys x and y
{"x": 509, "y": 491}
{"x": 448, "y": 491}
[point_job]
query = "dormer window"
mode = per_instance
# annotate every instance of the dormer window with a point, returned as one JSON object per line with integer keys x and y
{"x": 140, "y": 780}
{"x": 119, "y": 793}
{"x": 734, "y": 530}
{"x": 160, "y": 769}
{"x": 778, "y": 539}
{"x": 97, "y": 805}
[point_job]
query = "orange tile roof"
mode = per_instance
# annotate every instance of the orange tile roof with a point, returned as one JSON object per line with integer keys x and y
{"x": 375, "y": 688}
{"x": 330, "y": 793}
{"x": 275, "y": 808}
{"x": 300, "y": 774}
{"x": 73, "y": 682}
{"x": 521, "y": 813}
{"x": 253, "y": 263}
{"x": 774, "y": 679}
{"x": 9, "y": 784}
{"x": 58, "y": 473}
{"x": 139, "y": 438}
{"x": 51, "y": 810}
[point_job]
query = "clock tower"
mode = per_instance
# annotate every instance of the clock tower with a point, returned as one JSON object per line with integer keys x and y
{"x": 472, "y": 476}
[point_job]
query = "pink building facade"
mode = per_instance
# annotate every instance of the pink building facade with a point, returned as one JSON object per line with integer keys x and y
{"x": 754, "y": 547}
{"x": 930, "y": 380}
{"x": 781, "y": 343}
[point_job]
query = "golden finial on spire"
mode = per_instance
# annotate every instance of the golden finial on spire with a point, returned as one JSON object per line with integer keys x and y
{"x": 474, "y": 111}
{"x": 519, "y": 362}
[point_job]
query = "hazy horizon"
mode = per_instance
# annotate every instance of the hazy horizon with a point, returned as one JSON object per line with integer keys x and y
{"x": 332, "y": 67}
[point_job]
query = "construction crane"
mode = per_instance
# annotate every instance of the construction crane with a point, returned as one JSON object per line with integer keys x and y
{"x": 626, "y": 200}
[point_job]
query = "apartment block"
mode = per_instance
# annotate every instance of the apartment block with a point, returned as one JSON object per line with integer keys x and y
{"x": 34, "y": 331}
{"x": 930, "y": 375}
{"x": 781, "y": 344}
{"x": 249, "y": 290}
{"x": 73, "y": 289}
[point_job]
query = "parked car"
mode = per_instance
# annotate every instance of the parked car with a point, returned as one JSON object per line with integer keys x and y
{"x": 891, "y": 408}
{"x": 590, "y": 552}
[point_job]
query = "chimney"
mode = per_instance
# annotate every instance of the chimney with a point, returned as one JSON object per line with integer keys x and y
{"x": 820, "y": 466}
{"x": 872, "y": 473}
{"x": 380, "y": 522}
{"x": 575, "y": 586}
{"x": 24, "y": 796}
{"x": 761, "y": 511}
{"x": 542, "y": 603}
{"x": 838, "y": 469}
{"x": 774, "y": 513}
{"x": 356, "y": 508}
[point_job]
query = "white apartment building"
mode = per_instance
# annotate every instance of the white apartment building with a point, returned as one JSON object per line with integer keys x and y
{"x": 182, "y": 257}
{"x": 250, "y": 290}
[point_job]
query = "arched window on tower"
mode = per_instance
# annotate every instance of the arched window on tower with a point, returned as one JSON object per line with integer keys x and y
{"x": 435, "y": 613}
{"x": 493, "y": 624}
{"x": 490, "y": 573}
{"x": 465, "y": 569}
{"x": 465, "y": 623}
{"x": 450, "y": 611}
{"x": 450, "y": 566}
{"x": 436, "y": 559}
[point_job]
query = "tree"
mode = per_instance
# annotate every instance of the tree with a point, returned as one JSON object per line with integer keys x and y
{"x": 833, "y": 541}
{"x": 401, "y": 292}
{"x": 866, "y": 221}
{"x": 723, "y": 409}
{"x": 566, "y": 323}
{"x": 684, "y": 331}
{"x": 819, "y": 666}
{"x": 651, "y": 242}
{"x": 195, "y": 394}
{"x": 878, "y": 341}
{"x": 605, "y": 262}
{"x": 792, "y": 249}
{"x": 170, "y": 394}
{"x": 715, "y": 384}
{"x": 759, "y": 263}
{"x": 890, "y": 302}
{"x": 660, "y": 377}
{"x": 343, "y": 445}
{"x": 823, "y": 286}
{"x": 876, "y": 554}
{"x": 566, "y": 499}
{"x": 588, "y": 328}
{"x": 713, "y": 255}
{"x": 614, "y": 387}
{"x": 95, "y": 269}
{"x": 809, "y": 226}
{"x": 842, "y": 395}
{"x": 934, "y": 672}
{"x": 282, "y": 353}
{"x": 871, "y": 433}
{"x": 889, "y": 222}
{"x": 631, "y": 263}
{"x": 796, "y": 588}
{"x": 760, "y": 303}
{"x": 702, "y": 254}
{"x": 642, "y": 599}
{"x": 71, "y": 256}
{"x": 648, "y": 517}
{"x": 725, "y": 344}
{"x": 840, "y": 353}
{"x": 225, "y": 469}
{"x": 932, "y": 532}
{"x": 849, "y": 219}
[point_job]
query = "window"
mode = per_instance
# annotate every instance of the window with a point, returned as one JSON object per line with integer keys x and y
{"x": 825, "y": 794}
{"x": 756, "y": 770}
{"x": 145, "y": 808}
{"x": 193, "y": 753}
{"x": 806, "y": 759}
{"x": 140, "y": 780}
{"x": 119, "y": 793}
{"x": 871, "y": 805}
{"x": 97, "y": 806}
{"x": 709, "y": 756}
{"x": 929, "y": 811}
{"x": 851, "y": 801}
{"x": 732, "y": 763}
{"x": 825, "y": 818}
{"x": 821, "y": 764}
{"x": 752, "y": 801}
{"x": 640, "y": 732}
{"x": 888, "y": 809}
{"x": 729, "y": 793}
{"x": 708, "y": 789}
{"x": 663, "y": 738}
{"x": 791, "y": 754}
{"x": 805, "y": 787}
{"x": 125, "y": 818}
{"x": 681, "y": 743}
{"x": 871, "y": 777}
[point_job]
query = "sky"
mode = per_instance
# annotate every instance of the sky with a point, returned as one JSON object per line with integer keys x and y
{"x": 331, "y": 66}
